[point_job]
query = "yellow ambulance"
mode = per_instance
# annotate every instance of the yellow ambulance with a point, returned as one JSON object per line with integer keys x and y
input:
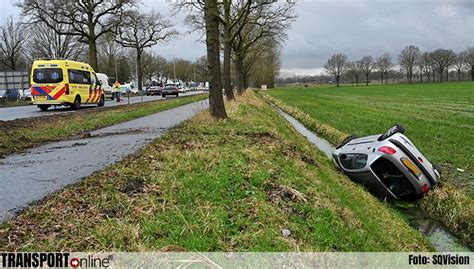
{"x": 64, "y": 82}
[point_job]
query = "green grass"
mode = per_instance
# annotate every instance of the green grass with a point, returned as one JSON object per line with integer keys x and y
{"x": 208, "y": 185}
{"x": 21, "y": 134}
{"x": 439, "y": 119}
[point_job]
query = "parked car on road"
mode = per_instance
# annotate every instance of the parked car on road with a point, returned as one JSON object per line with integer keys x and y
{"x": 153, "y": 90}
{"x": 389, "y": 164}
{"x": 105, "y": 84}
{"x": 170, "y": 89}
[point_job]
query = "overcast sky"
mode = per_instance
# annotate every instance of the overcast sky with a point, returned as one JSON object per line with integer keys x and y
{"x": 353, "y": 27}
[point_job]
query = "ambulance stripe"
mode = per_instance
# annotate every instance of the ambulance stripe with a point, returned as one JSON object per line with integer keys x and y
{"x": 95, "y": 94}
{"x": 90, "y": 88}
{"x": 59, "y": 94}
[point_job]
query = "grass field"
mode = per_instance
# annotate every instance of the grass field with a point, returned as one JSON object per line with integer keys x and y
{"x": 439, "y": 119}
{"x": 21, "y": 134}
{"x": 229, "y": 185}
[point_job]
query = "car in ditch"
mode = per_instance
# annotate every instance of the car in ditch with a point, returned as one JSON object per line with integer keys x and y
{"x": 388, "y": 164}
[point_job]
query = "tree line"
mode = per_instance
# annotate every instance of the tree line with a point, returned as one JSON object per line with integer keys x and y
{"x": 411, "y": 62}
{"x": 248, "y": 34}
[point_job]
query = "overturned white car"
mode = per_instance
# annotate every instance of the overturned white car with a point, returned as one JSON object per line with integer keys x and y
{"x": 389, "y": 165}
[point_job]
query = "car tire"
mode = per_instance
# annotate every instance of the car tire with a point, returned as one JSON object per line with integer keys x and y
{"x": 346, "y": 140}
{"x": 397, "y": 128}
{"x": 177, "y": 95}
{"x": 43, "y": 107}
{"x": 163, "y": 95}
{"x": 102, "y": 101}
{"x": 77, "y": 103}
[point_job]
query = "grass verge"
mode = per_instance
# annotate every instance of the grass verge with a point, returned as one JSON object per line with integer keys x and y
{"x": 21, "y": 134}
{"x": 449, "y": 204}
{"x": 207, "y": 185}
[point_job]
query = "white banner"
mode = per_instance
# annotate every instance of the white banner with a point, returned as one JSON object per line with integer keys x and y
{"x": 238, "y": 260}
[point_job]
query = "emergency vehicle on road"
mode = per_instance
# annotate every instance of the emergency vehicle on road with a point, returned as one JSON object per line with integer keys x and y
{"x": 64, "y": 82}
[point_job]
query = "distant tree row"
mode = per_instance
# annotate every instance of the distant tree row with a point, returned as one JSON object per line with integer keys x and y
{"x": 411, "y": 61}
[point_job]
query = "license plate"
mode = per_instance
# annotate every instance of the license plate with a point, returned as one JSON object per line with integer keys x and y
{"x": 40, "y": 97}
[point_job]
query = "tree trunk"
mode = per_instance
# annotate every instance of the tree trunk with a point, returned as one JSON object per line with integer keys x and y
{"x": 447, "y": 74}
{"x": 472, "y": 72}
{"x": 367, "y": 78}
{"x": 421, "y": 77}
{"x": 381, "y": 77}
{"x": 93, "y": 54}
{"x": 239, "y": 66}
{"x": 216, "y": 100}
{"x": 229, "y": 92}
{"x": 139, "y": 70}
{"x": 459, "y": 74}
{"x": 357, "y": 80}
{"x": 337, "y": 80}
{"x": 440, "y": 75}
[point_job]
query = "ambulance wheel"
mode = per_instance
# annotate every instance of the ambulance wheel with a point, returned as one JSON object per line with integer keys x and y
{"x": 77, "y": 103}
{"x": 43, "y": 107}
{"x": 102, "y": 101}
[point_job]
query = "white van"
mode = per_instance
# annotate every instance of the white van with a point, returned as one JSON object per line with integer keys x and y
{"x": 104, "y": 80}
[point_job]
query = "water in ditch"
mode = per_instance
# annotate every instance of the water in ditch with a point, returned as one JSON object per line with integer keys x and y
{"x": 438, "y": 235}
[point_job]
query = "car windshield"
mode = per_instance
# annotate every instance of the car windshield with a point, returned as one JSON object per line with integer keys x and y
{"x": 47, "y": 75}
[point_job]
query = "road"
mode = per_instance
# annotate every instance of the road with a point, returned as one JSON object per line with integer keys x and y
{"x": 30, "y": 176}
{"x": 19, "y": 112}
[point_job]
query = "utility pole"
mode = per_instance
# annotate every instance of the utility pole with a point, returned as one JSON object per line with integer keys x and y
{"x": 174, "y": 69}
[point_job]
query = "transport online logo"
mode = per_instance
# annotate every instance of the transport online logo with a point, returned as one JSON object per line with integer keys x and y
{"x": 56, "y": 260}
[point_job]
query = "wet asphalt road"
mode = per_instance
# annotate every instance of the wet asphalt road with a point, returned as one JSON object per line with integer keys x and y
{"x": 19, "y": 112}
{"x": 30, "y": 176}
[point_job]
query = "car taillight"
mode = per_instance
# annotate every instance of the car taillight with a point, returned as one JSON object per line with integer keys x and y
{"x": 66, "y": 88}
{"x": 425, "y": 188}
{"x": 387, "y": 150}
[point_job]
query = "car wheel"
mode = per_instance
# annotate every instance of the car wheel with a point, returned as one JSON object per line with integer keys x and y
{"x": 102, "y": 101}
{"x": 163, "y": 95}
{"x": 43, "y": 107}
{"x": 346, "y": 140}
{"x": 177, "y": 95}
{"x": 77, "y": 103}
{"x": 393, "y": 130}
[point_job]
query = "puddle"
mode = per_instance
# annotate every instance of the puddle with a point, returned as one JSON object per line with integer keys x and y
{"x": 440, "y": 237}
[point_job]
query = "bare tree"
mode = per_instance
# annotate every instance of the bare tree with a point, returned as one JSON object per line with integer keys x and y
{"x": 367, "y": 64}
{"x": 86, "y": 19}
{"x": 216, "y": 101}
{"x": 336, "y": 66}
{"x": 44, "y": 42}
{"x": 143, "y": 30}
{"x": 354, "y": 70}
{"x": 384, "y": 64}
{"x": 459, "y": 63}
{"x": 408, "y": 59}
{"x": 12, "y": 39}
{"x": 201, "y": 68}
{"x": 470, "y": 61}
{"x": 267, "y": 20}
{"x": 424, "y": 65}
{"x": 442, "y": 60}
{"x": 109, "y": 53}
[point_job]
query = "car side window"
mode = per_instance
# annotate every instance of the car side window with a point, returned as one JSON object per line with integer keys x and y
{"x": 87, "y": 77}
{"x": 94, "y": 79}
{"x": 75, "y": 76}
